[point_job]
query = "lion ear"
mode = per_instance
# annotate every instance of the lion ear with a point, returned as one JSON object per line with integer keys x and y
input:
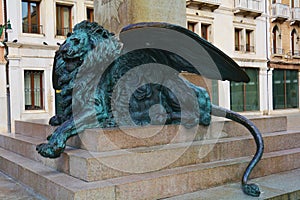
{"x": 98, "y": 30}
{"x": 105, "y": 34}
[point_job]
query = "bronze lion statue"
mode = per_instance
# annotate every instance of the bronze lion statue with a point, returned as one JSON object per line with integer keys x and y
{"x": 108, "y": 80}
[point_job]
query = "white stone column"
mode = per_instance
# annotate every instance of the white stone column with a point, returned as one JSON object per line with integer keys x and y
{"x": 298, "y": 90}
{"x": 270, "y": 90}
{"x": 115, "y": 14}
{"x": 224, "y": 94}
{"x": 3, "y": 99}
{"x": 16, "y": 90}
{"x": 263, "y": 90}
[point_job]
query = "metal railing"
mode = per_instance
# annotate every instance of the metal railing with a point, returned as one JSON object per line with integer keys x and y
{"x": 63, "y": 31}
{"x": 239, "y": 48}
{"x": 249, "y": 4}
{"x": 278, "y": 51}
{"x": 280, "y": 10}
{"x": 249, "y": 48}
{"x": 294, "y": 53}
{"x": 32, "y": 28}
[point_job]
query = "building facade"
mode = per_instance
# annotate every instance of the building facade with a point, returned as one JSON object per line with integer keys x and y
{"x": 39, "y": 27}
{"x": 239, "y": 28}
{"x": 284, "y": 59}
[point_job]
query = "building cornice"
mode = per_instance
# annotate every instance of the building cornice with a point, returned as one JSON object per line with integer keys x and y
{"x": 249, "y": 59}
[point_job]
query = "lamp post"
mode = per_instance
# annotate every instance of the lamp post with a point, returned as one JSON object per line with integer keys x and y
{"x": 6, "y": 28}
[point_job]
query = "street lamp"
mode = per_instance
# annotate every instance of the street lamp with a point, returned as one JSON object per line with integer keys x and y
{"x": 7, "y": 28}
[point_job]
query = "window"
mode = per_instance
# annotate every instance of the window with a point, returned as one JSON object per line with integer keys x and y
{"x": 243, "y": 40}
{"x": 249, "y": 41}
{"x": 90, "y": 14}
{"x": 204, "y": 31}
{"x": 238, "y": 39}
{"x": 294, "y": 43}
{"x": 285, "y": 89}
{"x": 191, "y": 26}
{"x": 276, "y": 46}
{"x": 31, "y": 16}
{"x": 245, "y": 96}
{"x": 63, "y": 19}
{"x": 34, "y": 90}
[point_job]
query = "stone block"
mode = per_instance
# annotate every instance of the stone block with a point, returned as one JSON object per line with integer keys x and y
{"x": 34, "y": 128}
{"x": 134, "y": 11}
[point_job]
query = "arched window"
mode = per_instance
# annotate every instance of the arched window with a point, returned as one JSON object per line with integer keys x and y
{"x": 294, "y": 43}
{"x": 276, "y": 36}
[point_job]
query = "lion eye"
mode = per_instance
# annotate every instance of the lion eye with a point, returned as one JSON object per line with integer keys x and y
{"x": 76, "y": 41}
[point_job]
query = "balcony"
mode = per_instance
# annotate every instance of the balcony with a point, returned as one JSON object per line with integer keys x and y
{"x": 294, "y": 54}
{"x": 295, "y": 17}
{"x": 63, "y": 31}
{"x": 32, "y": 28}
{"x": 239, "y": 48}
{"x": 278, "y": 51}
{"x": 249, "y": 48}
{"x": 280, "y": 12}
{"x": 202, "y": 4}
{"x": 251, "y": 8}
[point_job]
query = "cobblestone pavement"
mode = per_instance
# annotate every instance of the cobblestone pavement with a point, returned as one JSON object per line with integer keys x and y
{"x": 11, "y": 190}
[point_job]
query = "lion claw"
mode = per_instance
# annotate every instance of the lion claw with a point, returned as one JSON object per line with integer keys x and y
{"x": 49, "y": 150}
{"x": 251, "y": 189}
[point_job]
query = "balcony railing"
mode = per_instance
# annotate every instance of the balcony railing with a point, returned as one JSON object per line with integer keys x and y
{"x": 210, "y": 4}
{"x": 248, "y": 8}
{"x": 249, "y": 48}
{"x": 239, "y": 48}
{"x": 295, "y": 53}
{"x": 295, "y": 17}
{"x": 63, "y": 31}
{"x": 32, "y": 28}
{"x": 280, "y": 12}
{"x": 278, "y": 51}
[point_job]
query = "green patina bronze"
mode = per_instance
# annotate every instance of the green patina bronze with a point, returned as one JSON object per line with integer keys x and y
{"x": 91, "y": 63}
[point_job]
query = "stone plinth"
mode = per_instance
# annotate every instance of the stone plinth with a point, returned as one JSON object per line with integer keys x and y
{"x": 115, "y": 14}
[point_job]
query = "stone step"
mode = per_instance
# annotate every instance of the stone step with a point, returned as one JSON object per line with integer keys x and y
{"x": 281, "y": 186}
{"x": 50, "y": 183}
{"x": 94, "y": 166}
{"x": 37, "y": 128}
{"x": 154, "y": 185}
{"x": 126, "y": 138}
{"x": 25, "y": 146}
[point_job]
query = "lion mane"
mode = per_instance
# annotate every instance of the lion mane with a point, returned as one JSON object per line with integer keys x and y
{"x": 70, "y": 57}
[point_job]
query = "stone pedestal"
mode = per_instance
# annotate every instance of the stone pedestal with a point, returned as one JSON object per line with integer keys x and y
{"x": 115, "y": 14}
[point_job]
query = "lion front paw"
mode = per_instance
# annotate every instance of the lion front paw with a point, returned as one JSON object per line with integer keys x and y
{"x": 56, "y": 120}
{"x": 251, "y": 189}
{"x": 50, "y": 150}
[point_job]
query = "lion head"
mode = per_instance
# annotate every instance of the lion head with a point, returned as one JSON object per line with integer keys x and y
{"x": 85, "y": 36}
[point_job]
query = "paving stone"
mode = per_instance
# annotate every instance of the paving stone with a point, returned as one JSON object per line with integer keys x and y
{"x": 12, "y": 190}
